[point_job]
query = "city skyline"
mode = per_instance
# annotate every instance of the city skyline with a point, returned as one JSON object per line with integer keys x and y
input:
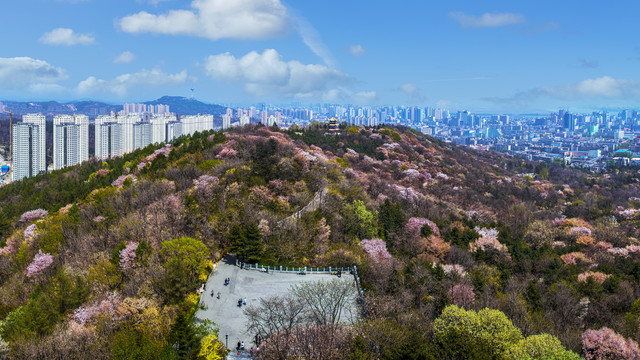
{"x": 493, "y": 56}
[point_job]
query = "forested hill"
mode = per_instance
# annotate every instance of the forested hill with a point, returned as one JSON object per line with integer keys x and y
{"x": 463, "y": 254}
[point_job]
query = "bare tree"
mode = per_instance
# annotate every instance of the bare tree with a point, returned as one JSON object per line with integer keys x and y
{"x": 306, "y": 322}
{"x": 324, "y": 300}
{"x": 275, "y": 319}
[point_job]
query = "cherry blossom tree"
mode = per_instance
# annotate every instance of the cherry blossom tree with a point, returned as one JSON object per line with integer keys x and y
{"x": 30, "y": 232}
{"x": 40, "y": 263}
{"x": 596, "y": 276}
{"x": 128, "y": 255}
{"x": 33, "y": 215}
{"x": 462, "y": 295}
{"x": 607, "y": 344}
{"x": 376, "y": 248}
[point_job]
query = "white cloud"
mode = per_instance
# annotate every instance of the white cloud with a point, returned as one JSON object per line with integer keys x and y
{"x": 215, "y": 19}
{"x": 413, "y": 92}
{"x": 357, "y": 50}
{"x": 607, "y": 87}
{"x": 602, "y": 88}
{"x": 487, "y": 19}
{"x": 409, "y": 89}
{"x": 342, "y": 95}
{"x": 121, "y": 84}
{"x": 67, "y": 37}
{"x": 21, "y": 72}
{"x": 312, "y": 39}
{"x": 124, "y": 58}
{"x": 267, "y": 74}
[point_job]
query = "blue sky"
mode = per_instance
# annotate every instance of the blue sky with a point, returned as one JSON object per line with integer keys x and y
{"x": 485, "y": 56}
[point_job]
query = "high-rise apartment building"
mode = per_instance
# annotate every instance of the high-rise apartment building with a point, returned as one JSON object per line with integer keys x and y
{"x": 108, "y": 137}
{"x": 70, "y": 140}
{"x": 226, "y": 121}
{"x": 174, "y": 130}
{"x": 194, "y": 123}
{"x": 159, "y": 127}
{"x": 110, "y": 140}
{"x": 142, "y": 109}
{"x": 28, "y": 157}
{"x": 127, "y": 122}
{"x": 66, "y": 140}
{"x": 40, "y": 120}
{"x": 244, "y": 120}
{"x": 142, "y": 134}
{"x": 29, "y": 150}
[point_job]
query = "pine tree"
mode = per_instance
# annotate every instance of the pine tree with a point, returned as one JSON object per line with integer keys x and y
{"x": 253, "y": 243}
{"x": 184, "y": 338}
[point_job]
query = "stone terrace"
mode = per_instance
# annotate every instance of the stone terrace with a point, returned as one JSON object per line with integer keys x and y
{"x": 253, "y": 285}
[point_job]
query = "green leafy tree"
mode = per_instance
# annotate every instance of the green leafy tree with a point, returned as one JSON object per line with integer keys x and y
{"x": 359, "y": 221}
{"x": 540, "y": 347}
{"x": 463, "y": 334}
{"x": 185, "y": 259}
{"x": 48, "y": 305}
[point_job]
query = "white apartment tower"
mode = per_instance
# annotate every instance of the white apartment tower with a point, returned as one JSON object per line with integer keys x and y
{"x": 194, "y": 123}
{"x": 27, "y": 158}
{"x": 40, "y": 120}
{"x": 142, "y": 134}
{"x": 127, "y": 122}
{"x": 108, "y": 133}
{"x": 226, "y": 121}
{"x": 70, "y": 140}
{"x": 159, "y": 127}
{"x": 110, "y": 140}
{"x": 271, "y": 120}
{"x": 244, "y": 120}
{"x": 174, "y": 130}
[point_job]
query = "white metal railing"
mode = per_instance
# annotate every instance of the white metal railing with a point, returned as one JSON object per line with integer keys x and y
{"x": 294, "y": 269}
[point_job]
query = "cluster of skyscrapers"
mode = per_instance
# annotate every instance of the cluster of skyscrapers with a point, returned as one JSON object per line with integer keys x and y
{"x": 118, "y": 135}
{"x": 244, "y": 117}
{"x": 70, "y": 143}
{"x": 115, "y": 135}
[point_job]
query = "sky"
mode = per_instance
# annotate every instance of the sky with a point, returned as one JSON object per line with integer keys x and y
{"x": 483, "y": 56}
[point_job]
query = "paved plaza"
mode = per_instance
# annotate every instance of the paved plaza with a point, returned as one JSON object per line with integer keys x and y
{"x": 252, "y": 285}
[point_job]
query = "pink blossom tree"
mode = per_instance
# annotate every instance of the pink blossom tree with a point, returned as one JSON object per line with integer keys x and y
{"x": 33, "y": 215}
{"x": 108, "y": 307}
{"x": 595, "y": 275}
{"x": 376, "y": 248}
{"x": 415, "y": 224}
{"x": 30, "y": 232}
{"x": 128, "y": 255}
{"x": 121, "y": 179}
{"x": 40, "y": 263}
{"x": 607, "y": 344}
{"x": 462, "y": 295}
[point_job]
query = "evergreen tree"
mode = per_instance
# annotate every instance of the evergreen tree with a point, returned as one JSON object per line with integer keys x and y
{"x": 185, "y": 339}
{"x": 391, "y": 218}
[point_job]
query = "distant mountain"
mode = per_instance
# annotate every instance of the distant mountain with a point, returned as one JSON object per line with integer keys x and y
{"x": 178, "y": 105}
{"x": 51, "y": 108}
{"x": 185, "y": 106}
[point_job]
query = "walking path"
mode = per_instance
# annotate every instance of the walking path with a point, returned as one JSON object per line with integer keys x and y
{"x": 253, "y": 285}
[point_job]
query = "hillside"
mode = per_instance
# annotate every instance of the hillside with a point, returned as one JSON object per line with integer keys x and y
{"x": 462, "y": 254}
{"x": 187, "y": 106}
